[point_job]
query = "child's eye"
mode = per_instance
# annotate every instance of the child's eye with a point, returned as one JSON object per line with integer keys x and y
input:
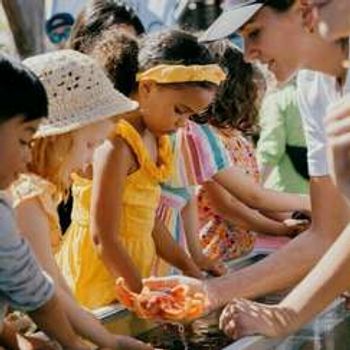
{"x": 254, "y": 34}
{"x": 26, "y": 143}
{"x": 178, "y": 110}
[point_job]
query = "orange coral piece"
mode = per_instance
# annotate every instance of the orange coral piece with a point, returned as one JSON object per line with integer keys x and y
{"x": 175, "y": 304}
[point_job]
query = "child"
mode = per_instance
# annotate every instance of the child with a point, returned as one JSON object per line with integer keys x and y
{"x": 226, "y": 222}
{"x": 82, "y": 102}
{"x": 99, "y": 16}
{"x": 95, "y": 19}
{"x": 178, "y": 206}
{"x": 117, "y": 53}
{"x": 23, "y": 284}
{"x": 129, "y": 167}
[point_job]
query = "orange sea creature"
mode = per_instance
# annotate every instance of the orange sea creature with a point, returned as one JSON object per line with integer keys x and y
{"x": 174, "y": 304}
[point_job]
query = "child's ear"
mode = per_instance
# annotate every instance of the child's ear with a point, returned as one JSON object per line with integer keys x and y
{"x": 308, "y": 15}
{"x": 146, "y": 87}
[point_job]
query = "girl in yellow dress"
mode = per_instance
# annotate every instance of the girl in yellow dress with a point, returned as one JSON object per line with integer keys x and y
{"x": 81, "y": 103}
{"x": 177, "y": 78}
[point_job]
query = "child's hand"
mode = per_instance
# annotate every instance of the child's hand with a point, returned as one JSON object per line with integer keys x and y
{"x": 128, "y": 343}
{"x": 193, "y": 270}
{"x": 302, "y": 215}
{"x": 214, "y": 267}
{"x": 294, "y": 226}
{"x": 33, "y": 343}
{"x": 338, "y": 132}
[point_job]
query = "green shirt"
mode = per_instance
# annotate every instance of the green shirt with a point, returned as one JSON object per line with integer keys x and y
{"x": 281, "y": 125}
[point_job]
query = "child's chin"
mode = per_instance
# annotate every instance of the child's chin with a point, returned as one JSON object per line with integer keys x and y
{"x": 6, "y": 183}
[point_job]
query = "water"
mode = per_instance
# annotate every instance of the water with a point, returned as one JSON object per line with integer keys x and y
{"x": 200, "y": 335}
{"x": 330, "y": 331}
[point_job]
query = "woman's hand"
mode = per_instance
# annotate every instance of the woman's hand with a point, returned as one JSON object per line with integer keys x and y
{"x": 243, "y": 317}
{"x": 168, "y": 282}
{"x": 194, "y": 285}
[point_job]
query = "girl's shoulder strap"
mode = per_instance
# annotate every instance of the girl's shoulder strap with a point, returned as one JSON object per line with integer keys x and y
{"x": 160, "y": 172}
{"x": 131, "y": 136}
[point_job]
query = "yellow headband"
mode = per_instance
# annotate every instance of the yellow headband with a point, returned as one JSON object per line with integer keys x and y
{"x": 165, "y": 74}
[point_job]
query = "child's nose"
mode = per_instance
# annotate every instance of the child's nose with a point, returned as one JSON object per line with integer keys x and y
{"x": 26, "y": 157}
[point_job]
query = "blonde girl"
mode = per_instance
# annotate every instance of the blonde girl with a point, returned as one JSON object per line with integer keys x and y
{"x": 81, "y": 104}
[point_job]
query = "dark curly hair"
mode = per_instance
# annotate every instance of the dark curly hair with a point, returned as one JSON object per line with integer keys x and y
{"x": 117, "y": 53}
{"x": 280, "y": 5}
{"x": 235, "y": 104}
{"x": 174, "y": 47}
{"x": 98, "y": 16}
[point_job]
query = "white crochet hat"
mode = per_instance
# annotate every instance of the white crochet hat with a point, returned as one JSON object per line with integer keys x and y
{"x": 79, "y": 92}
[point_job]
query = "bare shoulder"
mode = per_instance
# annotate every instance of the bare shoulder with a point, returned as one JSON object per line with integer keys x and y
{"x": 32, "y": 209}
{"x": 114, "y": 156}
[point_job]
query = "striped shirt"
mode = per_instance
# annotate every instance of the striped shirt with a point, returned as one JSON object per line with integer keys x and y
{"x": 199, "y": 155}
{"x": 23, "y": 285}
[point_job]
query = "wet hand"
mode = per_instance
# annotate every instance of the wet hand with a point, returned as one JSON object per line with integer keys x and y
{"x": 194, "y": 285}
{"x": 243, "y": 317}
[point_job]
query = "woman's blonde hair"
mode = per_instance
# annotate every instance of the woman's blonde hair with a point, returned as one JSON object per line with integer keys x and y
{"x": 49, "y": 156}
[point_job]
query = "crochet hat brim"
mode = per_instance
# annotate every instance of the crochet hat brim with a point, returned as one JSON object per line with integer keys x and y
{"x": 116, "y": 105}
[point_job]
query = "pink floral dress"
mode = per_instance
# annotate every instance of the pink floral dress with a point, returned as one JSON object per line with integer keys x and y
{"x": 220, "y": 238}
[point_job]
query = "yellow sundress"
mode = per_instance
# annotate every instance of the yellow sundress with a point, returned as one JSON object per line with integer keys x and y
{"x": 86, "y": 274}
{"x": 30, "y": 186}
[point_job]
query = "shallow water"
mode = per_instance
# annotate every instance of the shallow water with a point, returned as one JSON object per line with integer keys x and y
{"x": 200, "y": 335}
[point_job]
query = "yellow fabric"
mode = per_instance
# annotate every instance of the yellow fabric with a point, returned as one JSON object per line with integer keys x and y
{"x": 91, "y": 282}
{"x": 30, "y": 186}
{"x": 164, "y": 74}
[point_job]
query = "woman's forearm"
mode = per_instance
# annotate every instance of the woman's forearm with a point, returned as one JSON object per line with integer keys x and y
{"x": 328, "y": 279}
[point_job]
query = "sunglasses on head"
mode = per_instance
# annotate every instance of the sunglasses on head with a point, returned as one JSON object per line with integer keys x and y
{"x": 59, "y": 37}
